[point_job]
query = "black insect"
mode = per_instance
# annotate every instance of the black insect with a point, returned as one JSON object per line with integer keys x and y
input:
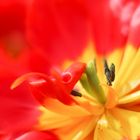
{"x": 109, "y": 72}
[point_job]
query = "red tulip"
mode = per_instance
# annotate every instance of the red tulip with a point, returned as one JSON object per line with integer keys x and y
{"x": 106, "y": 103}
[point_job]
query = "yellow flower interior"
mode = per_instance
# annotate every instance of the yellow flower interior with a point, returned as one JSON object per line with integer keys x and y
{"x": 89, "y": 120}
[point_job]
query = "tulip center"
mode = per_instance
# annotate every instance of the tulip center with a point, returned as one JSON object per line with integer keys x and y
{"x": 91, "y": 83}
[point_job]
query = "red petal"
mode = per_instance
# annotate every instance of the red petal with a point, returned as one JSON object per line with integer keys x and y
{"x": 38, "y": 61}
{"x": 110, "y": 23}
{"x": 43, "y": 89}
{"x": 75, "y": 70}
{"x": 12, "y": 16}
{"x": 67, "y": 80}
{"x": 16, "y": 108}
{"x": 59, "y": 86}
{"x": 59, "y": 28}
{"x": 13, "y": 65}
{"x": 135, "y": 28}
{"x": 34, "y": 135}
{"x": 5, "y": 137}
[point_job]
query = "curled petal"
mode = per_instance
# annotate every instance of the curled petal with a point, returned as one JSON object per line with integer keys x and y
{"x": 25, "y": 77}
{"x": 73, "y": 74}
{"x": 46, "y": 87}
{"x": 59, "y": 86}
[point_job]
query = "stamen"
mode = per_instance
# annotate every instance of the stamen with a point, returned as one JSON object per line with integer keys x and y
{"x": 109, "y": 72}
{"x": 94, "y": 83}
{"x": 95, "y": 65}
{"x": 85, "y": 83}
{"x": 76, "y": 93}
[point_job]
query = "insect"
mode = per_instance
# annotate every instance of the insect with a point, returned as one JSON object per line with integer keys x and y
{"x": 109, "y": 72}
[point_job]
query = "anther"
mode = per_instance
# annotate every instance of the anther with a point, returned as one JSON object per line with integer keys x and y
{"x": 112, "y": 71}
{"x": 76, "y": 93}
{"x": 109, "y": 72}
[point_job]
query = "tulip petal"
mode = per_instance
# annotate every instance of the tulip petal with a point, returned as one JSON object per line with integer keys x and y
{"x": 110, "y": 29}
{"x": 129, "y": 54}
{"x": 115, "y": 57}
{"x": 58, "y": 25}
{"x": 59, "y": 86}
{"x": 112, "y": 99}
{"x": 16, "y": 108}
{"x": 129, "y": 120}
{"x": 76, "y": 70}
{"x": 124, "y": 83}
{"x": 78, "y": 131}
{"x": 132, "y": 98}
{"x": 13, "y": 12}
{"x": 132, "y": 107}
{"x": 25, "y": 77}
{"x": 135, "y": 28}
{"x": 53, "y": 105}
{"x": 132, "y": 73}
{"x": 105, "y": 130}
{"x": 53, "y": 120}
{"x": 119, "y": 124}
{"x": 36, "y": 135}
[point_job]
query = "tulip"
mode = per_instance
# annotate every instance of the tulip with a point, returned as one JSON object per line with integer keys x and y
{"x": 98, "y": 97}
